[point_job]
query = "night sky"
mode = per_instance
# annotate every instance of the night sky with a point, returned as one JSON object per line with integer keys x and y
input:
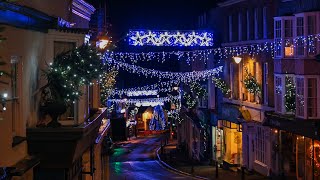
{"x": 152, "y": 15}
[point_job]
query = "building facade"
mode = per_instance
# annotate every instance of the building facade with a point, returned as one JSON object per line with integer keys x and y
{"x": 268, "y": 121}
{"x": 35, "y": 33}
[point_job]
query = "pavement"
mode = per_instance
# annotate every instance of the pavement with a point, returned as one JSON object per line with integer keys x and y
{"x": 178, "y": 162}
{"x": 136, "y": 160}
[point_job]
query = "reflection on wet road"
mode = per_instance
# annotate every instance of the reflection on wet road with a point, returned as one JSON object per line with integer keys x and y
{"x": 135, "y": 160}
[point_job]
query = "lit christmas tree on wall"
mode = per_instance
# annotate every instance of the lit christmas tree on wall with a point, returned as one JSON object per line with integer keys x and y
{"x": 290, "y": 95}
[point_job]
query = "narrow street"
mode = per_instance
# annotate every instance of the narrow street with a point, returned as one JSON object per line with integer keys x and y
{"x": 135, "y": 159}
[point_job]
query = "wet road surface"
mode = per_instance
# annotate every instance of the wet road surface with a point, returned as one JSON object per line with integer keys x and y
{"x": 135, "y": 160}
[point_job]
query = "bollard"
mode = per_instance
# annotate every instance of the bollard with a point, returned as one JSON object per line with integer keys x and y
{"x": 217, "y": 174}
{"x": 242, "y": 173}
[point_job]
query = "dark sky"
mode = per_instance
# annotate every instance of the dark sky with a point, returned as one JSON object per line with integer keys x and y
{"x": 151, "y": 15}
{"x": 154, "y": 14}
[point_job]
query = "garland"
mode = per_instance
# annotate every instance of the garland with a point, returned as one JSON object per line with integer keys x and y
{"x": 197, "y": 89}
{"x": 107, "y": 82}
{"x": 190, "y": 101}
{"x": 180, "y": 76}
{"x": 290, "y": 95}
{"x": 251, "y": 83}
{"x": 71, "y": 70}
{"x": 221, "y": 84}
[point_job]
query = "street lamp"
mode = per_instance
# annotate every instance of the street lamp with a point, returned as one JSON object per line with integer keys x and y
{"x": 237, "y": 59}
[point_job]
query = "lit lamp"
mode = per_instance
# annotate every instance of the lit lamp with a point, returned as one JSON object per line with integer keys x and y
{"x": 3, "y": 101}
{"x": 237, "y": 59}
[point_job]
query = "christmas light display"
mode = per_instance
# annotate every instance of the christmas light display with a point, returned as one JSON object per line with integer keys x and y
{"x": 290, "y": 95}
{"x": 170, "y": 38}
{"x": 107, "y": 82}
{"x": 142, "y": 93}
{"x": 189, "y": 101}
{"x": 315, "y": 157}
{"x": 197, "y": 89}
{"x": 251, "y": 83}
{"x": 181, "y": 76}
{"x": 222, "y": 85}
{"x": 165, "y": 86}
{"x": 144, "y": 102}
{"x": 174, "y": 114}
{"x": 69, "y": 71}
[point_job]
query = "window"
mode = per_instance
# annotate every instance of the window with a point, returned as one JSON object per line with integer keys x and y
{"x": 240, "y": 26}
{"x": 248, "y": 25}
{"x": 230, "y": 29}
{"x": 288, "y": 28}
{"x": 300, "y": 97}
{"x": 288, "y": 49}
{"x": 277, "y": 35}
{"x": 300, "y": 47}
{"x": 311, "y": 27}
{"x": 265, "y": 83}
{"x": 256, "y": 25}
{"x": 312, "y": 98}
{"x": 300, "y": 27}
{"x": 231, "y": 79}
{"x": 265, "y": 23}
{"x": 278, "y": 94}
{"x": 260, "y": 145}
{"x": 278, "y": 29}
{"x": 277, "y": 47}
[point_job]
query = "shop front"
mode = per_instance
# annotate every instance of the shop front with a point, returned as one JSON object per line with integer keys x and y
{"x": 228, "y": 136}
{"x": 296, "y": 149}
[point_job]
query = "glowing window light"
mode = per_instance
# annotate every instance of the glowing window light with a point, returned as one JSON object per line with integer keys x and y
{"x": 170, "y": 38}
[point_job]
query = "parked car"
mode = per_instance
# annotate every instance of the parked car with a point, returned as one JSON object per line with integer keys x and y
{"x": 108, "y": 145}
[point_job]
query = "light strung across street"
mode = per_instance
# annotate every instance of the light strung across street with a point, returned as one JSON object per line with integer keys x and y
{"x": 195, "y": 55}
{"x": 165, "y": 86}
{"x": 309, "y": 42}
{"x": 170, "y": 38}
{"x": 142, "y": 93}
{"x": 181, "y": 76}
{"x": 145, "y": 101}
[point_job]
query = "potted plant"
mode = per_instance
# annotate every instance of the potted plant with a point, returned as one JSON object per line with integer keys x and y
{"x": 65, "y": 76}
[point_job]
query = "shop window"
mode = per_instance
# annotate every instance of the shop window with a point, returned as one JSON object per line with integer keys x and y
{"x": 260, "y": 145}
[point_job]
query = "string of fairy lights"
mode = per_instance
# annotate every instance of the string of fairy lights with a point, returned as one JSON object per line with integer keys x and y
{"x": 309, "y": 43}
{"x": 165, "y": 86}
{"x": 119, "y": 59}
{"x": 181, "y": 76}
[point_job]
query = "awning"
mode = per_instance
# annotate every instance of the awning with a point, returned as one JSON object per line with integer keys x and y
{"x": 231, "y": 113}
{"x": 291, "y": 124}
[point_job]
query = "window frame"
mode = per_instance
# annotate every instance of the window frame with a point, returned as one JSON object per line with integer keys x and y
{"x": 306, "y": 94}
{"x": 260, "y": 145}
